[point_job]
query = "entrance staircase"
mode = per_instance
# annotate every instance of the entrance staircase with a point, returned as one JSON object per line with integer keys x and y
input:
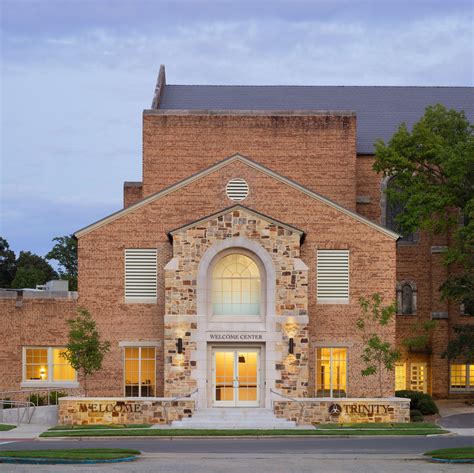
{"x": 233, "y": 418}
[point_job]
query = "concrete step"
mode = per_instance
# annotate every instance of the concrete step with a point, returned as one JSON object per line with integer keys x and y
{"x": 233, "y": 418}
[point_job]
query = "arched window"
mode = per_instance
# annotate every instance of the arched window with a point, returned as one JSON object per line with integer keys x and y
{"x": 236, "y": 286}
{"x": 406, "y": 298}
{"x": 393, "y": 209}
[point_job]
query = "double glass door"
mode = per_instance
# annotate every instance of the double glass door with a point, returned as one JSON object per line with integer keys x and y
{"x": 236, "y": 377}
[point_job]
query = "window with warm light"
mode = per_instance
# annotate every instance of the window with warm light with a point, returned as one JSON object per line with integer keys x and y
{"x": 45, "y": 364}
{"x": 331, "y": 372}
{"x": 236, "y": 286}
{"x": 462, "y": 377}
{"x": 140, "y": 372}
{"x": 400, "y": 376}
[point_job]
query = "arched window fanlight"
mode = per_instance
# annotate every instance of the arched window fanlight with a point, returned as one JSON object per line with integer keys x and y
{"x": 236, "y": 286}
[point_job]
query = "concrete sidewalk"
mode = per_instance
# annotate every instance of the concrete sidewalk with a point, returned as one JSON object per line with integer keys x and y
{"x": 24, "y": 431}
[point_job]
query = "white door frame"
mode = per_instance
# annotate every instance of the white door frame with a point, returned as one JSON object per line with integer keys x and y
{"x": 236, "y": 349}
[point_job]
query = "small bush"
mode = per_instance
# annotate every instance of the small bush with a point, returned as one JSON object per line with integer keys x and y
{"x": 416, "y": 398}
{"x": 55, "y": 395}
{"x": 427, "y": 406}
{"x": 416, "y": 415}
{"x": 6, "y": 403}
{"x": 37, "y": 399}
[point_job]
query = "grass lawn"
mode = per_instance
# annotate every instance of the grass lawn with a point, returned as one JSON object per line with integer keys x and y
{"x": 371, "y": 425}
{"x": 101, "y": 427}
{"x": 4, "y": 427}
{"x": 462, "y": 453}
{"x": 72, "y": 454}
{"x": 328, "y": 429}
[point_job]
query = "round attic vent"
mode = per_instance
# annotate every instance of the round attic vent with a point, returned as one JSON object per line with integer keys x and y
{"x": 237, "y": 189}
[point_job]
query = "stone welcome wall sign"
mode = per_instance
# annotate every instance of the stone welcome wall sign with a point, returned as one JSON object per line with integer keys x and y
{"x": 323, "y": 411}
{"x": 89, "y": 411}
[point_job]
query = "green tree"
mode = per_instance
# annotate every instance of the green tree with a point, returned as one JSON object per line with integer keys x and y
{"x": 378, "y": 354}
{"x": 7, "y": 263}
{"x": 461, "y": 347}
{"x": 31, "y": 270}
{"x": 85, "y": 351}
{"x": 422, "y": 336}
{"x": 434, "y": 170}
{"x": 65, "y": 253}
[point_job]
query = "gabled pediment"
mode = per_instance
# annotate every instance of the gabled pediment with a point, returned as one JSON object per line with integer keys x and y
{"x": 226, "y": 162}
{"x": 243, "y": 211}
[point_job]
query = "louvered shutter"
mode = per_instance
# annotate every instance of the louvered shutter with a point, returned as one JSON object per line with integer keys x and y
{"x": 140, "y": 275}
{"x": 237, "y": 189}
{"x": 333, "y": 276}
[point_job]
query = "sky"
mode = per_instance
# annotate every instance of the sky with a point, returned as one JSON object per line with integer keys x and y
{"x": 76, "y": 76}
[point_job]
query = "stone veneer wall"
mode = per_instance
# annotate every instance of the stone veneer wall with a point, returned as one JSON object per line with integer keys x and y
{"x": 286, "y": 313}
{"x": 316, "y": 411}
{"x": 90, "y": 411}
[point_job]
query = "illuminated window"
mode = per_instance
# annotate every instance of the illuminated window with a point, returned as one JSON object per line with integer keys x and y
{"x": 462, "y": 377}
{"x": 331, "y": 372}
{"x": 140, "y": 372}
{"x": 45, "y": 364}
{"x": 418, "y": 377}
{"x": 400, "y": 376}
{"x": 236, "y": 286}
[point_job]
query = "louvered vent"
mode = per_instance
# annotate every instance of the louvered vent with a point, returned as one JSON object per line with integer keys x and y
{"x": 333, "y": 276}
{"x": 237, "y": 189}
{"x": 140, "y": 275}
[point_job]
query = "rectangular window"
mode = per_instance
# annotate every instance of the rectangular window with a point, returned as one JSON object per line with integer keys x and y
{"x": 333, "y": 276}
{"x": 45, "y": 364}
{"x": 140, "y": 372}
{"x": 140, "y": 275}
{"x": 400, "y": 376}
{"x": 462, "y": 377}
{"x": 331, "y": 372}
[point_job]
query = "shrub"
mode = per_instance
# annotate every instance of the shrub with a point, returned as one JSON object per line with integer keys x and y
{"x": 55, "y": 395}
{"x": 427, "y": 406}
{"x": 416, "y": 415}
{"x": 6, "y": 403}
{"x": 416, "y": 397}
{"x": 37, "y": 399}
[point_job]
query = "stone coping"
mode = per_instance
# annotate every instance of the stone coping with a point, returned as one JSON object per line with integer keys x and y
{"x": 340, "y": 399}
{"x": 128, "y": 399}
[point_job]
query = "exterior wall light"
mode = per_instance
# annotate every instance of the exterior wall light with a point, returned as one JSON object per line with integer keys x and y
{"x": 179, "y": 346}
{"x": 291, "y": 346}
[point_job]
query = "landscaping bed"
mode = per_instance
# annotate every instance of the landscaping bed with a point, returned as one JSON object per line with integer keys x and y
{"x": 455, "y": 455}
{"x": 4, "y": 427}
{"x": 322, "y": 430}
{"x": 84, "y": 455}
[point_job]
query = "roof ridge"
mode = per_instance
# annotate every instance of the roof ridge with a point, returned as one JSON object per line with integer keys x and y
{"x": 333, "y": 86}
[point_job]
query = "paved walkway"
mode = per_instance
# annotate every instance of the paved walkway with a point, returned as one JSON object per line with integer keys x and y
{"x": 23, "y": 431}
{"x": 456, "y": 416}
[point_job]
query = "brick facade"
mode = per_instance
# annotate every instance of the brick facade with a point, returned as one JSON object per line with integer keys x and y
{"x": 181, "y": 209}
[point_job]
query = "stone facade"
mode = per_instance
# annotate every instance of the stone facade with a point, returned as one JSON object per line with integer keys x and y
{"x": 343, "y": 411}
{"x": 91, "y": 411}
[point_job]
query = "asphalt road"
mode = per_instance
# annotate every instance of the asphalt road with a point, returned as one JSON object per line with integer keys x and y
{"x": 458, "y": 421}
{"x": 302, "y": 445}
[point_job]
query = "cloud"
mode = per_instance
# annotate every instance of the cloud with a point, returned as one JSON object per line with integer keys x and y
{"x": 76, "y": 76}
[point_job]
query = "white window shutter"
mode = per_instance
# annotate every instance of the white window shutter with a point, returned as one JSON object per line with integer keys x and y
{"x": 140, "y": 275}
{"x": 333, "y": 276}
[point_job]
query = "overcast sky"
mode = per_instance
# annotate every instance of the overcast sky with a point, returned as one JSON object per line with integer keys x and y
{"x": 76, "y": 76}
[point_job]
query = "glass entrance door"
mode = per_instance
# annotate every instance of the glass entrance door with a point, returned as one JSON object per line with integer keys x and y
{"x": 418, "y": 377}
{"x": 235, "y": 375}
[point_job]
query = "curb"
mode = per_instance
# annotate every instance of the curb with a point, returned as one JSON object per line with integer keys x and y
{"x": 446, "y": 460}
{"x": 59, "y": 461}
{"x": 232, "y": 437}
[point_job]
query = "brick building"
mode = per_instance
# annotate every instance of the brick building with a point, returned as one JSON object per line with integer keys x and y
{"x": 235, "y": 267}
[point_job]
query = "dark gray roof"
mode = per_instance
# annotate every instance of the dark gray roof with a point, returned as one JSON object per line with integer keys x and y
{"x": 379, "y": 109}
